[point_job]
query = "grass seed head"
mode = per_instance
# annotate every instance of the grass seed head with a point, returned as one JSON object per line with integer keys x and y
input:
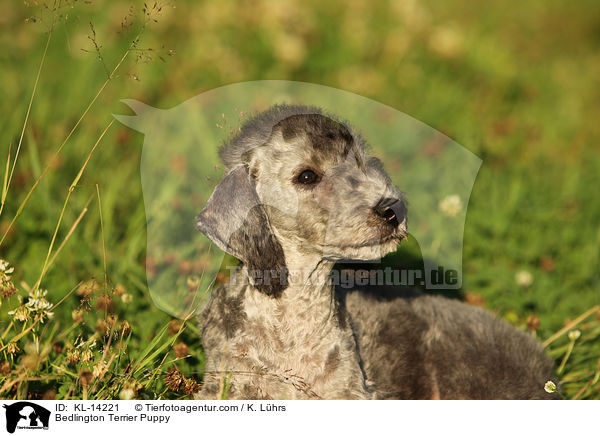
{"x": 85, "y": 377}
{"x": 174, "y": 327}
{"x": 5, "y": 368}
{"x": 125, "y": 327}
{"x": 77, "y": 316}
{"x": 533, "y": 322}
{"x": 88, "y": 289}
{"x": 12, "y": 348}
{"x": 181, "y": 350}
{"x": 174, "y": 379}
{"x": 73, "y": 357}
{"x": 100, "y": 369}
{"x": 87, "y": 356}
{"x": 191, "y": 386}
{"x": 104, "y": 302}
{"x": 119, "y": 290}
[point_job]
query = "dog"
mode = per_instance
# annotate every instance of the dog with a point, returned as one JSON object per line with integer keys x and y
{"x": 301, "y": 194}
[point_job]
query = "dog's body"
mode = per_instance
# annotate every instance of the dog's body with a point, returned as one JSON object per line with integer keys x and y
{"x": 293, "y": 347}
{"x": 301, "y": 194}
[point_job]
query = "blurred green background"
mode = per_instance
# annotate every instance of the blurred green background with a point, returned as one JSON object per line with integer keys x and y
{"x": 516, "y": 83}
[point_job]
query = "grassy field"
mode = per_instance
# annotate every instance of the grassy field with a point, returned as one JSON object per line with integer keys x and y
{"x": 517, "y": 84}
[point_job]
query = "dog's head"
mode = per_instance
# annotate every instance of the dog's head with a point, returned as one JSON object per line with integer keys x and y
{"x": 299, "y": 178}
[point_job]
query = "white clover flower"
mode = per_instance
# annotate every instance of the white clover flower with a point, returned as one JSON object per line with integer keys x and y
{"x": 451, "y": 205}
{"x": 550, "y": 387}
{"x": 100, "y": 369}
{"x": 7, "y": 288}
{"x": 523, "y": 278}
{"x": 87, "y": 356}
{"x": 5, "y": 267}
{"x": 39, "y": 306}
{"x": 447, "y": 41}
{"x": 20, "y": 314}
{"x": 126, "y": 298}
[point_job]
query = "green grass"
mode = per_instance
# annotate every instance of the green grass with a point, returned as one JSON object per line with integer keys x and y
{"x": 516, "y": 84}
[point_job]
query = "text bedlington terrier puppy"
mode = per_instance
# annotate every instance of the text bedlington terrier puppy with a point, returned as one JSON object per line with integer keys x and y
{"x": 300, "y": 193}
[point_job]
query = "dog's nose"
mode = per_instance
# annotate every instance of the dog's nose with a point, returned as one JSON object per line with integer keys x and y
{"x": 392, "y": 210}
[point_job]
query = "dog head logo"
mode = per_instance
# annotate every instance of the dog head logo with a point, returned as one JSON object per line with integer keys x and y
{"x": 181, "y": 168}
{"x": 26, "y": 415}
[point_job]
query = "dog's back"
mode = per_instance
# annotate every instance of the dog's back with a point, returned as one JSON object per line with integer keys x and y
{"x": 415, "y": 346}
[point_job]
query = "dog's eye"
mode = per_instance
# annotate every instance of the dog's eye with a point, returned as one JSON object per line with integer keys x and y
{"x": 308, "y": 177}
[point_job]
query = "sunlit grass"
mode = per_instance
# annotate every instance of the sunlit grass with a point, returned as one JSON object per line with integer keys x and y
{"x": 503, "y": 84}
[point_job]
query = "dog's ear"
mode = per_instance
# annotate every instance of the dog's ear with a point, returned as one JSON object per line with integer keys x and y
{"x": 235, "y": 220}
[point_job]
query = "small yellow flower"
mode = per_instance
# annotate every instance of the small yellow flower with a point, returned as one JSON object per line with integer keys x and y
{"x": 192, "y": 283}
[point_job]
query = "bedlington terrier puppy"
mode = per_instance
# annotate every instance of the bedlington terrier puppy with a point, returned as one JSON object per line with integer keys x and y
{"x": 300, "y": 194}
